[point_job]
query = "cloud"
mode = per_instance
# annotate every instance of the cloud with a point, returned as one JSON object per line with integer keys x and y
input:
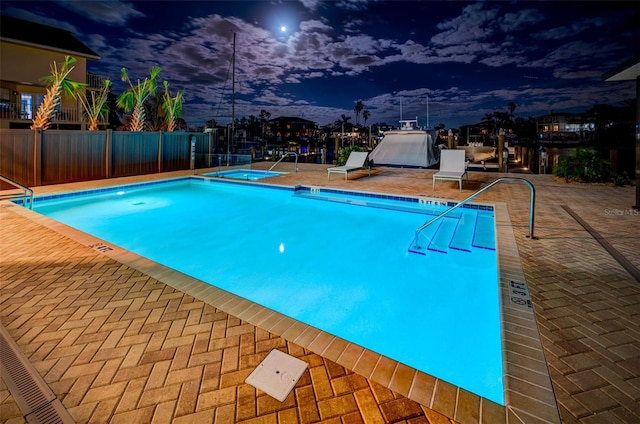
{"x": 521, "y": 20}
{"x": 311, "y": 4}
{"x": 573, "y": 29}
{"x": 34, "y": 16}
{"x": 352, "y": 4}
{"x": 111, "y": 12}
{"x": 472, "y": 25}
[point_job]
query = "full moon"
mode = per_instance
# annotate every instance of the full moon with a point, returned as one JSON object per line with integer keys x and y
{"x": 283, "y": 28}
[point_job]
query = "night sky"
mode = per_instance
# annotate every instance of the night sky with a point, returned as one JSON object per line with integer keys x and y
{"x": 463, "y": 59}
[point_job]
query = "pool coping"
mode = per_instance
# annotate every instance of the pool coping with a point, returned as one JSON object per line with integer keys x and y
{"x": 528, "y": 392}
{"x": 221, "y": 174}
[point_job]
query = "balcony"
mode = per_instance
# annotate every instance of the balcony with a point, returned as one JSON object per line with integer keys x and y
{"x": 94, "y": 81}
{"x": 18, "y": 112}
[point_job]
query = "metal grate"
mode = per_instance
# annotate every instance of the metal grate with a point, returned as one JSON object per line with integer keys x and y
{"x": 34, "y": 397}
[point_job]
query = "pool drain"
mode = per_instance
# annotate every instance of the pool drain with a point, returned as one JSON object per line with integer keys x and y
{"x": 277, "y": 374}
{"x": 32, "y": 394}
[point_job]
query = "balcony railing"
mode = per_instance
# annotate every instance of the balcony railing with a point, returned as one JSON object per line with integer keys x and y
{"x": 18, "y": 112}
{"x": 95, "y": 81}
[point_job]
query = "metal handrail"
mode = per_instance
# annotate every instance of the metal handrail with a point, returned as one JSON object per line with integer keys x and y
{"x": 284, "y": 156}
{"x": 28, "y": 193}
{"x": 494, "y": 182}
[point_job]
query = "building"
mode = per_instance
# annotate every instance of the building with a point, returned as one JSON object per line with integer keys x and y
{"x": 291, "y": 129}
{"x": 564, "y": 128}
{"x": 27, "y": 51}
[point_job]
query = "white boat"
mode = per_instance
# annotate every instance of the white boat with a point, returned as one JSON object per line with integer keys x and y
{"x": 408, "y": 146}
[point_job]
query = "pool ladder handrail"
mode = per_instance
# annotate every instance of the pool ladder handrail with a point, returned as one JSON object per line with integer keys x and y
{"x": 532, "y": 206}
{"x": 284, "y": 156}
{"x": 26, "y": 195}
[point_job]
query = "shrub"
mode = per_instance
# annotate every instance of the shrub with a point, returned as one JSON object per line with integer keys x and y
{"x": 344, "y": 153}
{"x": 585, "y": 165}
{"x": 620, "y": 180}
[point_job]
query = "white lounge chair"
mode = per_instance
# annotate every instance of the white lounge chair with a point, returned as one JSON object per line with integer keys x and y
{"x": 453, "y": 167}
{"x": 355, "y": 161}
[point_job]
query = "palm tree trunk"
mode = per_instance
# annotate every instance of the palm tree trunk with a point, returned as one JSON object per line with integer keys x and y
{"x": 137, "y": 119}
{"x": 47, "y": 110}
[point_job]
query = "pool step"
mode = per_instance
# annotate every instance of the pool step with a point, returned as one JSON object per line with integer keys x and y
{"x": 442, "y": 238}
{"x": 432, "y": 210}
{"x": 485, "y": 235}
{"x": 424, "y": 239}
{"x": 469, "y": 230}
{"x": 463, "y": 237}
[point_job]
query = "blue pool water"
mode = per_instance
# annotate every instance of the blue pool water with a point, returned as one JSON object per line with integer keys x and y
{"x": 244, "y": 174}
{"x": 334, "y": 261}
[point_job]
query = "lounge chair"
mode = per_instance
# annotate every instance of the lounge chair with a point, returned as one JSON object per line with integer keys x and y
{"x": 355, "y": 162}
{"x": 453, "y": 167}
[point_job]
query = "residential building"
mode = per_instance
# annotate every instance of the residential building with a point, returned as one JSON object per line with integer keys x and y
{"x": 27, "y": 52}
{"x": 564, "y": 127}
{"x": 291, "y": 129}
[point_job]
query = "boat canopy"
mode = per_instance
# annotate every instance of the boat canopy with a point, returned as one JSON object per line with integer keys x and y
{"x": 406, "y": 147}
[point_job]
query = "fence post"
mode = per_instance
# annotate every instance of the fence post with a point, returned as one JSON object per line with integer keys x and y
{"x": 108, "y": 143}
{"x": 37, "y": 157}
{"x": 159, "y": 152}
{"x": 192, "y": 151}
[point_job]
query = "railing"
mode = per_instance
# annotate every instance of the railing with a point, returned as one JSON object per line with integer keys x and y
{"x": 18, "y": 111}
{"x": 230, "y": 159}
{"x": 95, "y": 81}
{"x": 284, "y": 156}
{"x": 415, "y": 244}
{"x": 27, "y": 194}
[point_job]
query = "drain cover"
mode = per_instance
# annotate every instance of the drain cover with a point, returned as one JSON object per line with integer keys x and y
{"x": 277, "y": 374}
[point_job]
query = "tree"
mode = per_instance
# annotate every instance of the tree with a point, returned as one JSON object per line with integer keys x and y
{"x": 154, "y": 115}
{"x": 512, "y": 107}
{"x": 489, "y": 118}
{"x": 58, "y": 83}
{"x": 115, "y": 112}
{"x": 502, "y": 120}
{"x": 181, "y": 124}
{"x": 357, "y": 109}
{"x": 264, "y": 117}
{"x": 96, "y": 108}
{"x": 132, "y": 100}
{"x": 343, "y": 123}
{"x": 366, "y": 115}
{"x": 172, "y": 107}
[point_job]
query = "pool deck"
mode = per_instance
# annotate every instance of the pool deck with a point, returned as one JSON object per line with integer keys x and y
{"x": 119, "y": 338}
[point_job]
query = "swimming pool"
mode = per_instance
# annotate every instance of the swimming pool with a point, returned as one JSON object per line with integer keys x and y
{"x": 244, "y": 174}
{"x": 257, "y": 242}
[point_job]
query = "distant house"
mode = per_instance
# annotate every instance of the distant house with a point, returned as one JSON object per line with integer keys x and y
{"x": 27, "y": 51}
{"x": 564, "y": 127}
{"x": 291, "y": 129}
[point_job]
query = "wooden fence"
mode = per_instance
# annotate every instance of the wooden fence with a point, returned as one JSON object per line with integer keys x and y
{"x": 35, "y": 158}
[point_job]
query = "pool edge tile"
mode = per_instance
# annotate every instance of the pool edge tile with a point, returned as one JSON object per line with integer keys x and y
{"x": 527, "y": 345}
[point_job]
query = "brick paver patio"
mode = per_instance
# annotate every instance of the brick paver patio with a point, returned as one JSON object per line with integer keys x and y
{"x": 118, "y": 345}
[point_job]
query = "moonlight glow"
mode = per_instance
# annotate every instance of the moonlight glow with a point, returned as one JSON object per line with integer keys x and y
{"x": 283, "y": 28}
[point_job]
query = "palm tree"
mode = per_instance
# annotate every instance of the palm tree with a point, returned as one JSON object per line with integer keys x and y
{"x": 357, "y": 109}
{"x": 344, "y": 121}
{"x": 58, "y": 84}
{"x": 172, "y": 107}
{"x": 366, "y": 115}
{"x": 489, "y": 118}
{"x": 133, "y": 99}
{"x": 512, "y": 107}
{"x": 96, "y": 108}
